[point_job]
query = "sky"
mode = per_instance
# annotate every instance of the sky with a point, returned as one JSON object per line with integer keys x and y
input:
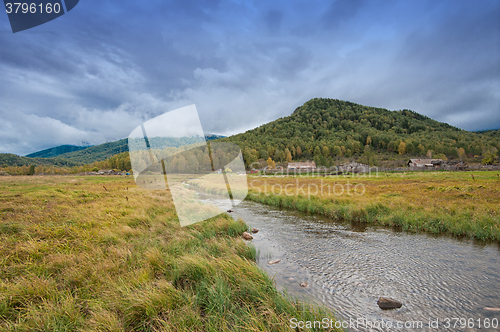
{"x": 104, "y": 68}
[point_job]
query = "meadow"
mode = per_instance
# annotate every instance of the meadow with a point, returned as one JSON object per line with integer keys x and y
{"x": 101, "y": 254}
{"x": 463, "y": 204}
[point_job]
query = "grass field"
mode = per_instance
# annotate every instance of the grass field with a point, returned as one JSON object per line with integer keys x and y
{"x": 101, "y": 254}
{"x": 465, "y": 204}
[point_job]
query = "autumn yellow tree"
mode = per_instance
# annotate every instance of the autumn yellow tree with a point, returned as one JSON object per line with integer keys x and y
{"x": 271, "y": 163}
{"x": 461, "y": 153}
{"x": 325, "y": 151}
{"x": 402, "y": 148}
{"x": 288, "y": 155}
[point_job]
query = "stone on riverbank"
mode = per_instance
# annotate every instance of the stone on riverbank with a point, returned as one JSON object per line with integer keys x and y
{"x": 247, "y": 236}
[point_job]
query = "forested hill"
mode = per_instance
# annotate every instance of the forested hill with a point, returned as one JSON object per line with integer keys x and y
{"x": 107, "y": 150}
{"x": 87, "y": 155}
{"x": 97, "y": 152}
{"x": 56, "y": 151}
{"x": 9, "y": 159}
{"x": 75, "y": 157}
{"x": 322, "y": 129}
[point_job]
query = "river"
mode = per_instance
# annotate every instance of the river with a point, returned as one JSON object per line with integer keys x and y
{"x": 348, "y": 267}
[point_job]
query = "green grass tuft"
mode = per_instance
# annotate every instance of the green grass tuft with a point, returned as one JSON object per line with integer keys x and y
{"x": 90, "y": 260}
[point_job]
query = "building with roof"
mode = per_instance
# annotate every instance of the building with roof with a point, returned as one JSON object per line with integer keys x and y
{"x": 305, "y": 165}
{"x": 426, "y": 163}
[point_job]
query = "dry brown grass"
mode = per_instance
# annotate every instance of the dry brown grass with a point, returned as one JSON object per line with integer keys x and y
{"x": 431, "y": 201}
{"x": 100, "y": 254}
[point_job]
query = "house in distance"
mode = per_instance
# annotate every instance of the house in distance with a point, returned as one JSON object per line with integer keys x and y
{"x": 306, "y": 165}
{"x": 426, "y": 163}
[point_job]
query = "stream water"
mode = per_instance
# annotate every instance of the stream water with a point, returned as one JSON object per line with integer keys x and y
{"x": 348, "y": 267}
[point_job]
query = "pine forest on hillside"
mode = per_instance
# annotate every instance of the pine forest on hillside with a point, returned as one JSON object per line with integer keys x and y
{"x": 324, "y": 129}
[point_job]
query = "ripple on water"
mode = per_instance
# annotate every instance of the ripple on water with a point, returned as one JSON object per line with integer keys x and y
{"x": 348, "y": 270}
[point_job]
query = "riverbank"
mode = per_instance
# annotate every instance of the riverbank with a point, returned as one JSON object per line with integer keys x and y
{"x": 99, "y": 253}
{"x": 348, "y": 266}
{"x": 464, "y": 204}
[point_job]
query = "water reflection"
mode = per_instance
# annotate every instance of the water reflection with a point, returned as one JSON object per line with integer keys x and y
{"x": 349, "y": 266}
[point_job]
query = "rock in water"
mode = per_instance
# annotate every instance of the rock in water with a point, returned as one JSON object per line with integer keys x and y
{"x": 276, "y": 261}
{"x": 386, "y": 303}
{"x": 247, "y": 236}
{"x": 254, "y": 230}
{"x": 303, "y": 284}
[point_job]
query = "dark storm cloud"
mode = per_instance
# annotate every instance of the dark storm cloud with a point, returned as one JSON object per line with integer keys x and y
{"x": 273, "y": 20}
{"x": 341, "y": 11}
{"x": 101, "y": 70}
{"x": 453, "y": 67}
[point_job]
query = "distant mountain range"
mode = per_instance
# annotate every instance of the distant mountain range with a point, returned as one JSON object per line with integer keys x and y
{"x": 321, "y": 130}
{"x": 9, "y": 159}
{"x": 96, "y": 152}
{"x": 56, "y": 151}
{"x": 72, "y": 155}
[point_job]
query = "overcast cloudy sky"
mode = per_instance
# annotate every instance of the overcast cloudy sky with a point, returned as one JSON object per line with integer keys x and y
{"x": 101, "y": 70}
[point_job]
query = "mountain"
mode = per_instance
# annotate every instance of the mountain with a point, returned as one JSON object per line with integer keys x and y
{"x": 9, "y": 159}
{"x": 486, "y": 131}
{"x": 211, "y": 137}
{"x": 97, "y": 152}
{"x": 70, "y": 155}
{"x": 107, "y": 150}
{"x": 324, "y": 129}
{"x": 56, "y": 151}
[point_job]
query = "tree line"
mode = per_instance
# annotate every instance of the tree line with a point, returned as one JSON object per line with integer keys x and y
{"x": 119, "y": 162}
{"x": 324, "y": 129}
